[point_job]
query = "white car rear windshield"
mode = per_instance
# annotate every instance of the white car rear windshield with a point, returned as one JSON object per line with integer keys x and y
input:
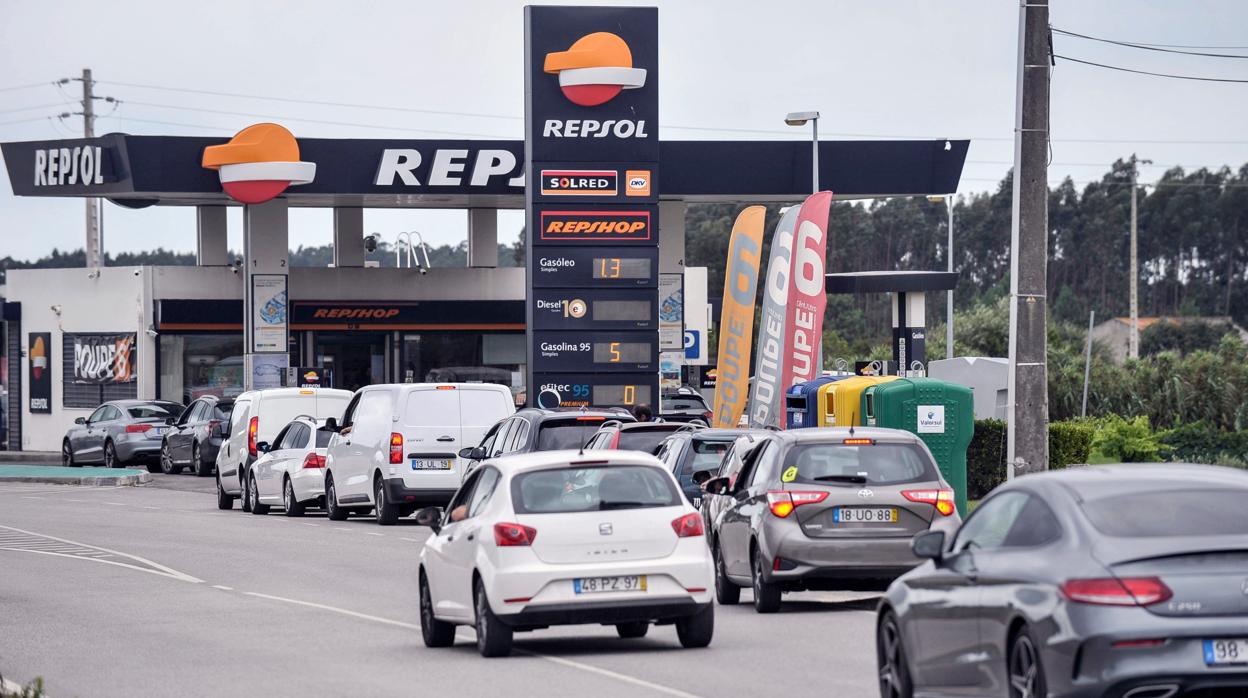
{"x": 874, "y": 464}
{"x": 598, "y": 488}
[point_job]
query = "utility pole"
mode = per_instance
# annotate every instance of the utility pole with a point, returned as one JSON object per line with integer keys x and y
{"x": 949, "y": 293}
{"x": 88, "y": 131}
{"x": 1134, "y": 343}
{"x": 1027, "y": 444}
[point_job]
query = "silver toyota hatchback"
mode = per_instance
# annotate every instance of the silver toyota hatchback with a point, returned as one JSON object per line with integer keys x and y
{"x": 824, "y": 509}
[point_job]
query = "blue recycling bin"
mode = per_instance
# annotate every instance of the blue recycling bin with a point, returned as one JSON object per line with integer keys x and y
{"x": 801, "y": 403}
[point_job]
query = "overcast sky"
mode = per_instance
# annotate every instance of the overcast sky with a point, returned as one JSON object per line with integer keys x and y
{"x": 909, "y": 68}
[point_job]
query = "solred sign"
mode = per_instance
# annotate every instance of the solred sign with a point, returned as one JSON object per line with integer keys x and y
{"x": 580, "y": 182}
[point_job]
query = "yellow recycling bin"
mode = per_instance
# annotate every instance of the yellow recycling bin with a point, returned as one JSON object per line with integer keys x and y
{"x": 839, "y": 402}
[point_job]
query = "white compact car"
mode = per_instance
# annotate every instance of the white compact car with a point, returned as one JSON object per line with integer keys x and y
{"x": 290, "y": 472}
{"x": 398, "y": 444}
{"x": 565, "y": 538}
{"x": 257, "y": 417}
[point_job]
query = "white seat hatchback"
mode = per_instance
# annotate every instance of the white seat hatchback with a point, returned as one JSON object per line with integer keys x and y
{"x": 565, "y": 538}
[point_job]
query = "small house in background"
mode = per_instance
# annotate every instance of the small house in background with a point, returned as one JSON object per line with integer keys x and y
{"x": 1114, "y": 335}
{"x": 986, "y": 377}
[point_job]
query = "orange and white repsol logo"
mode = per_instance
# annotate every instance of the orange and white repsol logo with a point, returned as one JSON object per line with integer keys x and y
{"x": 596, "y": 225}
{"x": 356, "y": 313}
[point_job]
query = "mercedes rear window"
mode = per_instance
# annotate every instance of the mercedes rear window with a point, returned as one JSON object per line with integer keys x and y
{"x": 597, "y": 488}
{"x": 870, "y": 464}
{"x": 1170, "y": 513}
{"x": 555, "y": 435}
{"x": 155, "y": 410}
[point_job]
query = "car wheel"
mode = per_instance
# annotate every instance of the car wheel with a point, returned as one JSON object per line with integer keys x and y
{"x": 435, "y": 633}
{"x": 726, "y": 592}
{"x": 110, "y": 455}
{"x": 202, "y": 469}
{"x": 253, "y": 493}
{"x": 696, "y": 630}
{"x": 387, "y": 513}
{"x": 225, "y": 502}
{"x": 630, "y": 631}
{"x": 493, "y": 637}
{"x": 332, "y": 510}
{"x": 890, "y": 656}
{"x": 1024, "y": 668}
{"x": 67, "y": 455}
{"x": 766, "y": 594}
{"x": 166, "y": 461}
{"x": 293, "y": 506}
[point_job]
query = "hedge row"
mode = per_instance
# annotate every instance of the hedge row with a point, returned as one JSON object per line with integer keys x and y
{"x": 1069, "y": 443}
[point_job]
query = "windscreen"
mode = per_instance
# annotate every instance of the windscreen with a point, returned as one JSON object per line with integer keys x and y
{"x": 155, "y": 410}
{"x": 559, "y": 434}
{"x": 874, "y": 464}
{"x": 1170, "y": 513}
{"x": 599, "y": 488}
{"x": 642, "y": 439}
{"x": 683, "y": 403}
{"x": 702, "y": 455}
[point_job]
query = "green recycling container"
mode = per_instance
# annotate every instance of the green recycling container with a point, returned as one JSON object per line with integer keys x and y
{"x": 941, "y": 413}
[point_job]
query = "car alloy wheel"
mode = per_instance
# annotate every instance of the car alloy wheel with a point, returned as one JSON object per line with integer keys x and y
{"x": 1026, "y": 679}
{"x": 67, "y": 454}
{"x": 332, "y": 510}
{"x": 891, "y": 658}
{"x": 766, "y": 595}
{"x": 254, "y": 495}
{"x": 726, "y": 593}
{"x": 198, "y": 465}
{"x": 292, "y": 505}
{"x": 110, "y": 455}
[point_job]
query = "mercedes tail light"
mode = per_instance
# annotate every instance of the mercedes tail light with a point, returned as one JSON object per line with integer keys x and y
{"x": 511, "y": 535}
{"x": 138, "y": 428}
{"x": 253, "y": 429}
{"x": 941, "y": 499}
{"x": 783, "y": 502}
{"x": 688, "y": 526}
{"x": 1112, "y": 591}
{"x": 396, "y": 448}
{"x": 314, "y": 460}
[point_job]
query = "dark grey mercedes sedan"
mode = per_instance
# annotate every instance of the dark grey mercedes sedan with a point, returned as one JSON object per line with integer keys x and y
{"x": 1125, "y": 581}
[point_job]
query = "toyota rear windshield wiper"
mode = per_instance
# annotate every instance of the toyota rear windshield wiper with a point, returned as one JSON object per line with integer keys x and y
{"x": 856, "y": 479}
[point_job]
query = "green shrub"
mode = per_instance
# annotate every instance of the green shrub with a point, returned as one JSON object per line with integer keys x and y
{"x": 1069, "y": 443}
{"x": 1200, "y": 442}
{"x": 1128, "y": 441}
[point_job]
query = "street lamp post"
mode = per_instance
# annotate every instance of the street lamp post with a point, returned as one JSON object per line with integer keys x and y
{"x": 799, "y": 118}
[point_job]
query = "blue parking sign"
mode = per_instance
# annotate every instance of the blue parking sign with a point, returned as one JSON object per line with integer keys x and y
{"x": 693, "y": 343}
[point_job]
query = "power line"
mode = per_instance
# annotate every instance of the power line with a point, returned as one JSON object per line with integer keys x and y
{"x": 23, "y": 87}
{"x": 41, "y": 106}
{"x": 22, "y": 121}
{"x": 1147, "y": 72}
{"x": 1146, "y": 47}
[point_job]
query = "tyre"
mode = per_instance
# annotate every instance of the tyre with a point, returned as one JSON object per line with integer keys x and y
{"x": 225, "y": 502}
{"x": 696, "y": 630}
{"x": 766, "y": 594}
{"x": 726, "y": 592}
{"x": 1024, "y": 667}
{"x": 110, "y": 455}
{"x": 67, "y": 455}
{"x": 493, "y": 637}
{"x": 166, "y": 461}
{"x": 434, "y": 632}
{"x": 293, "y": 506}
{"x": 634, "y": 630}
{"x": 245, "y": 494}
{"x": 253, "y": 493}
{"x": 201, "y": 468}
{"x": 332, "y": 510}
{"x": 890, "y": 656}
{"x": 387, "y": 513}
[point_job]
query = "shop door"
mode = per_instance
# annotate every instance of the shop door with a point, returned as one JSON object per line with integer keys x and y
{"x": 355, "y": 359}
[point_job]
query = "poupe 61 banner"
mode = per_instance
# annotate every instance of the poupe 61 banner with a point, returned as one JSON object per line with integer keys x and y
{"x": 736, "y": 319}
{"x": 807, "y": 298}
{"x": 767, "y": 398}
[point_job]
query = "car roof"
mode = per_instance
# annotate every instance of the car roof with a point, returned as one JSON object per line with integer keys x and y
{"x": 1094, "y": 481}
{"x": 539, "y": 460}
{"x": 277, "y": 392}
{"x": 724, "y": 434}
{"x": 540, "y": 414}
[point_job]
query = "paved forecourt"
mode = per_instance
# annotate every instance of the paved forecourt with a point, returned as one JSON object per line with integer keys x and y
{"x": 143, "y": 590}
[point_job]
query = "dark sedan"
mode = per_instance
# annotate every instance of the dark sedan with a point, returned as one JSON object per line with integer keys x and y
{"x": 119, "y": 432}
{"x": 688, "y": 453}
{"x": 195, "y": 437}
{"x": 1123, "y": 581}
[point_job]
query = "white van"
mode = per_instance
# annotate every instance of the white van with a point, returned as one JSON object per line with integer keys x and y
{"x": 257, "y": 417}
{"x": 397, "y": 446}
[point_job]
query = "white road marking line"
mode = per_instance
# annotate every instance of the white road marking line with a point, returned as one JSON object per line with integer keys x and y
{"x": 32, "y": 497}
{"x": 334, "y": 609}
{"x": 218, "y": 586}
{"x": 159, "y": 568}
{"x": 307, "y": 523}
{"x": 147, "y": 507}
{"x": 375, "y": 534}
{"x": 79, "y": 501}
{"x": 117, "y": 504}
{"x": 413, "y": 540}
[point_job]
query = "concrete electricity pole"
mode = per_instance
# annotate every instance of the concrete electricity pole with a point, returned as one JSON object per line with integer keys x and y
{"x": 1134, "y": 343}
{"x": 1027, "y": 446}
{"x": 88, "y": 131}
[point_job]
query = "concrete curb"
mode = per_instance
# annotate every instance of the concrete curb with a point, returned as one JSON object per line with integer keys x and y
{"x": 43, "y": 457}
{"x": 114, "y": 481}
{"x": 88, "y": 477}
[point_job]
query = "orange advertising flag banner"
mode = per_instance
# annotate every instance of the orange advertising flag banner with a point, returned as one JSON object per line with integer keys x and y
{"x": 736, "y": 319}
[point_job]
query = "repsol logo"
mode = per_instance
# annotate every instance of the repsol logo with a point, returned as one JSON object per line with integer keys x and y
{"x": 449, "y": 167}
{"x": 595, "y": 225}
{"x": 355, "y": 313}
{"x": 82, "y": 165}
{"x": 592, "y": 128}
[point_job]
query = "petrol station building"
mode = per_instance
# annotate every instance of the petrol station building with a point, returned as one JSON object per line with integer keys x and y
{"x": 176, "y": 333}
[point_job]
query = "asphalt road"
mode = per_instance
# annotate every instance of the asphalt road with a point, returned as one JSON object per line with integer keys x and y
{"x": 153, "y": 591}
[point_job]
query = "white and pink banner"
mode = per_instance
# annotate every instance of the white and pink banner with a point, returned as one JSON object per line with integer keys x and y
{"x": 807, "y": 300}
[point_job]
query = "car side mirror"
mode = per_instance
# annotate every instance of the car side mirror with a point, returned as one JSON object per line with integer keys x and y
{"x": 80, "y": 420}
{"x": 929, "y": 545}
{"x": 716, "y": 485}
{"x": 701, "y": 477}
{"x": 472, "y": 453}
{"x": 263, "y": 447}
{"x": 331, "y": 424}
{"x": 170, "y": 421}
{"x": 431, "y": 517}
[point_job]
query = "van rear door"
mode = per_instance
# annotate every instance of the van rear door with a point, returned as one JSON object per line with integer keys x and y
{"x": 432, "y": 436}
